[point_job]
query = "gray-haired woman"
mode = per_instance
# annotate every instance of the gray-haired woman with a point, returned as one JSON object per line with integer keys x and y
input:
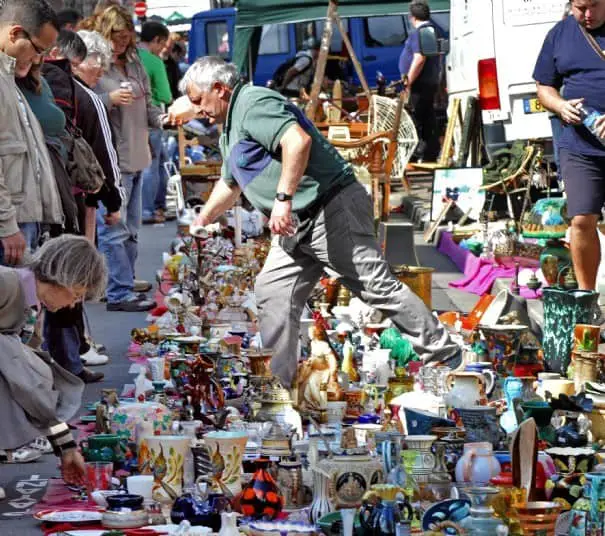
{"x": 37, "y": 396}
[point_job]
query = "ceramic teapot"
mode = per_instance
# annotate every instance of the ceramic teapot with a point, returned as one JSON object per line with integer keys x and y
{"x": 466, "y": 389}
{"x": 200, "y": 511}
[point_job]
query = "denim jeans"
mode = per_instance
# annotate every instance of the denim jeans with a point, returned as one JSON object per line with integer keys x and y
{"x": 160, "y": 196}
{"x": 31, "y": 232}
{"x": 62, "y": 340}
{"x": 119, "y": 242}
{"x": 152, "y": 176}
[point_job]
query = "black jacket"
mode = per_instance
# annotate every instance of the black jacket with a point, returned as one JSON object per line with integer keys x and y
{"x": 84, "y": 108}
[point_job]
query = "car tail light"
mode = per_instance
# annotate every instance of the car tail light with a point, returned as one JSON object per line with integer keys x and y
{"x": 489, "y": 95}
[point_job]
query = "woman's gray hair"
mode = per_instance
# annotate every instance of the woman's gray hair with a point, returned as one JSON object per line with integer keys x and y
{"x": 207, "y": 71}
{"x": 97, "y": 45}
{"x": 70, "y": 261}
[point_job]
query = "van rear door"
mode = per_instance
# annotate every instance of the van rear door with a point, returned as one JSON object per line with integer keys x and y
{"x": 520, "y": 27}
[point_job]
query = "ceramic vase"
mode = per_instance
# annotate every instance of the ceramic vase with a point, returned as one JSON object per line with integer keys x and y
{"x": 562, "y": 311}
{"x": 260, "y": 497}
{"x": 480, "y": 423}
{"x": 503, "y": 345}
{"x": 228, "y": 524}
{"x": 424, "y": 463}
{"x": 125, "y": 418}
{"x": 586, "y": 338}
{"x": 482, "y": 520}
{"x": 588, "y": 512}
{"x": 515, "y": 388}
{"x": 290, "y": 482}
{"x": 164, "y": 458}
{"x": 478, "y": 464}
{"x": 227, "y": 450}
{"x": 321, "y": 505}
{"x": 351, "y": 475}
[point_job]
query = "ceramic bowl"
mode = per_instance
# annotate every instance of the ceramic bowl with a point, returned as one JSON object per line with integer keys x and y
{"x": 125, "y": 520}
{"x": 572, "y": 459}
{"x": 132, "y": 502}
{"x": 280, "y": 528}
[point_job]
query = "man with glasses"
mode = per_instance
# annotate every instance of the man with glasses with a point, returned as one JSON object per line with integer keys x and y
{"x": 28, "y": 193}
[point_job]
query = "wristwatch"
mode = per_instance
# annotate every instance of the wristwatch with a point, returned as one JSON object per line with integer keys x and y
{"x": 281, "y": 196}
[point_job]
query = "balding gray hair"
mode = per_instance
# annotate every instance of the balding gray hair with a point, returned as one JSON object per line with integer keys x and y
{"x": 97, "y": 46}
{"x": 207, "y": 71}
{"x": 70, "y": 261}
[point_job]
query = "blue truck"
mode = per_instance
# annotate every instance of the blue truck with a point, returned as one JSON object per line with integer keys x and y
{"x": 377, "y": 41}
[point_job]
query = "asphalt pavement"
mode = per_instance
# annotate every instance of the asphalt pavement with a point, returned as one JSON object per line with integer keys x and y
{"x": 113, "y": 330}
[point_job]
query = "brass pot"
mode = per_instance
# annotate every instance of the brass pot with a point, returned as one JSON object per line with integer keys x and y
{"x": 418, "y": 278}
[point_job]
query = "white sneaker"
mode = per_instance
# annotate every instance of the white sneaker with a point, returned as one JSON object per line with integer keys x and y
{"x": 2, "y": 494}
{"x": 92, "y": 358}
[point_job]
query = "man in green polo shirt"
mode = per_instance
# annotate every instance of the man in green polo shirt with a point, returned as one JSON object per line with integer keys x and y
{"x": 154, "y": 36}
{"x": 320, "y": 216}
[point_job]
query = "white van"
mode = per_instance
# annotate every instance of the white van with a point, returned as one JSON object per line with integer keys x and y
{"x": 494, "y": 45}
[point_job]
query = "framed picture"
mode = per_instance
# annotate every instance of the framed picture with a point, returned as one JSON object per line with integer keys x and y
{"x": 461, "y": 186}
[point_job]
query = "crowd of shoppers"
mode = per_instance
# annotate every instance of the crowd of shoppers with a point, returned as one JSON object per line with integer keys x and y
{"x": 71, "y": 87}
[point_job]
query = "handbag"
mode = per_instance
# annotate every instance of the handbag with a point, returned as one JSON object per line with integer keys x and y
{"x": 82, "y": 165}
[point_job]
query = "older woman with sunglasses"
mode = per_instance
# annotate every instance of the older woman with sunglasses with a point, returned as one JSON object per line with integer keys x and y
{"x": 37, "y": 395}
{"x": 125, "y": 90}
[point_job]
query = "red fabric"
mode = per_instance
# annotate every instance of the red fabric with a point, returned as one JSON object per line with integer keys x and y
{"x": 53, "y": 528}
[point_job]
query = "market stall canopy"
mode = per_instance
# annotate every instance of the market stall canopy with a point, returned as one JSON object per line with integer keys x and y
{"x": 253, "y": 14}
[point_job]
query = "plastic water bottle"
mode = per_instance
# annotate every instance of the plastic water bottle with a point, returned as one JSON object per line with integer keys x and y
{"x": 589, "y": 117}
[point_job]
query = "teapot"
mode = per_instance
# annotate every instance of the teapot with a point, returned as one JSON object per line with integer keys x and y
{"x": 200, "y": 511}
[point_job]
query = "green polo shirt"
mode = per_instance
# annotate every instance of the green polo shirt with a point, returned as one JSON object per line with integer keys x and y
{"x": 158, "y": 78}
{"x": 257, "y": 119}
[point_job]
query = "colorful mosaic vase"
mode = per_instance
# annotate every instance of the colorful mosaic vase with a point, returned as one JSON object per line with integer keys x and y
{"x": 260, "y": 498}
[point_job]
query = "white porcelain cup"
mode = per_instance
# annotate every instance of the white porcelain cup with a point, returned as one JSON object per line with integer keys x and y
{"x": 156, "y": 365}
{"x": 140, "y": 485}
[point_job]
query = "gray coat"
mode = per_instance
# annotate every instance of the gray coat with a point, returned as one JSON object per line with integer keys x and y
{"x": 28, "y": 192}
{"x": 35, "y": 393}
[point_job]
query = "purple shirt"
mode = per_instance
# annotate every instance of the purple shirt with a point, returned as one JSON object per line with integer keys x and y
{"x": 28, "y": 285}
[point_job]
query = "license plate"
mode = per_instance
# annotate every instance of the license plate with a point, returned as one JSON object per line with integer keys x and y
{"x": 532, "y": 106}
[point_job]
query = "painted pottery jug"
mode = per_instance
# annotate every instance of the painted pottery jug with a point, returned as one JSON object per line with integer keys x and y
{"x": 260, "y": 497}
{"x": 564, "y": 309}
{"x": 478, "y": 464}
{"x": 164, "y": 458}
{"x": 126, "y": 416}
{"x": 487, "y": 369}
{"x": 480, "y": 423}
{"x": 588, "y": 512}
{"x": 351, "y": 475}
{"x": 466, "y": 389}
{"x": 503, "y": 345}
{"x": 227, "y": 450}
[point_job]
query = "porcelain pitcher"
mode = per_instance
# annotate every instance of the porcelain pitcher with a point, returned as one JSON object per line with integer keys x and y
{"x": 466, "y": 389}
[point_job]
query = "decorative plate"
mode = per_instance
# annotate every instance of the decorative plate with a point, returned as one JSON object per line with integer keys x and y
{"x": 68, "y": 516}
{"x": 451, "y": 510}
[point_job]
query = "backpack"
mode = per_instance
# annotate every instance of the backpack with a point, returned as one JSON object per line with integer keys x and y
{"x": 280, "y": 72}
{"x": 82, "y": 165}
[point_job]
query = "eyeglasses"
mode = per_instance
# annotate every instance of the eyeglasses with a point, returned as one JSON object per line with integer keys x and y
{"x": 39, "y": 51}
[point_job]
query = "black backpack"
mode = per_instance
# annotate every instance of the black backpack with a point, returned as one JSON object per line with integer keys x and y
{"x": 280, "y": 72}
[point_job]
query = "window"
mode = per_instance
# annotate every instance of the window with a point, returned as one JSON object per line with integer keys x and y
{"x": 442, "y": 20}
{"x": 305, "y": 30}
{"x": 385, "y": 31}
{"x": 274, "y": 39}
{"x": 217, "y": 39}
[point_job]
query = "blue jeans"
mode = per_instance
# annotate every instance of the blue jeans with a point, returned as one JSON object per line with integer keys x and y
{"x": 152, "y": 176}
{"x": 119, "y": 242}
{"x": 160, "y": 196}
{"x": 31, "y": 232}
{"x": 63, "y": 344}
